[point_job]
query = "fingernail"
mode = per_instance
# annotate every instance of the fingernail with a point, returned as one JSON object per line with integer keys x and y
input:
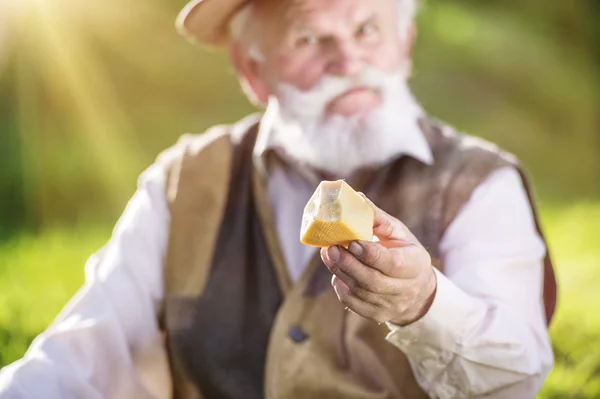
{"x": 333, "y": 253}
{"x": 355, "y": 248}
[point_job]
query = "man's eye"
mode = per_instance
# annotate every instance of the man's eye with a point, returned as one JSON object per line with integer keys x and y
{"x": 308, "y": 40}
{"x": 366, "y": 30}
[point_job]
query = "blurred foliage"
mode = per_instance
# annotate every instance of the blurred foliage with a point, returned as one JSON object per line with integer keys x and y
{"x": 90, "y": 92}
{"x": 511, "y": 74}
{"x": 572, "y": 233}
{"x": 31, "y": 297}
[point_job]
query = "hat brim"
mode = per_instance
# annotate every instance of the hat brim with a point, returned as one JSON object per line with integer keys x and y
{"x": 205, "y": 22}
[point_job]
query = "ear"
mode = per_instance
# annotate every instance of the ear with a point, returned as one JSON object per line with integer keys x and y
{"x": 411, "y": 36}
{"x": 248, "y": 71}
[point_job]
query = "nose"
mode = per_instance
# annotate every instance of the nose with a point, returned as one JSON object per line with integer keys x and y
{"x": 346, "y": 59}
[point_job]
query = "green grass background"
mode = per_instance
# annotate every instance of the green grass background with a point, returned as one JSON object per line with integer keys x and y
{"x": 40, "y": 273}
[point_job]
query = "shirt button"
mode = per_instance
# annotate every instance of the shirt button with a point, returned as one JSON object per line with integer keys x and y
{"x": 297, "y": 334}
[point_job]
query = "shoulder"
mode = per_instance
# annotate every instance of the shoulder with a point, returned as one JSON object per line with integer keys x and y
{"x": 456, "y": 150}
{"x": 464, "y": 164}
{"x": 185, "y": 164}
{"x": 216, "y": 140}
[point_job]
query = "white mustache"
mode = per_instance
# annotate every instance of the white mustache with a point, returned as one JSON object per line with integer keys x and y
{"x": 314, "y": 101}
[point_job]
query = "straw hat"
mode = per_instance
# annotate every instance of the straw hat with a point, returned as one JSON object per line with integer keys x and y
{"x": 205, "y": 21}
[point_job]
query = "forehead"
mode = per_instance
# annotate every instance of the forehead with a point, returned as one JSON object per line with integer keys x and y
{"x": 286, "y": 14}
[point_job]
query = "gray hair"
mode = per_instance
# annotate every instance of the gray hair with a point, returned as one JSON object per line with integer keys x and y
{"x": 241, "y": 29}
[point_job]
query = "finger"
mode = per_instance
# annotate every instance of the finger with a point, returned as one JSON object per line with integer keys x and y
{"x": 356, "y": 304}
{"x": 358, "y": 276}
{"x": 374, "y": 255}
{"x": 378, "y": 300}
{"x": 399, "y": 263}
{"x": 333, "y": 267}
{"x": 388, "y": 228}
{"x": 345, "y": 279}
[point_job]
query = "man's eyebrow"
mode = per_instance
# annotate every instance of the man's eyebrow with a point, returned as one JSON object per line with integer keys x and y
{"x": 300, "y": 28}
{"x": 371, "y": 17}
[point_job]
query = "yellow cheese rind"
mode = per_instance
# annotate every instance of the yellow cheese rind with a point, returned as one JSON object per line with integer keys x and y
{"x": 336, "y": 215}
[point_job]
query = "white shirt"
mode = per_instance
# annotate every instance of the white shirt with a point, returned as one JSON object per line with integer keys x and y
{"x": 484, "y": 336}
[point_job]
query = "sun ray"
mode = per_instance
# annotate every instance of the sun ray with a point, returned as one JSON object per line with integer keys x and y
{"x": 53, "y": 52}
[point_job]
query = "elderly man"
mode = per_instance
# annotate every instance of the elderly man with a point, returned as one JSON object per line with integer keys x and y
{"x": 205, "y": 290}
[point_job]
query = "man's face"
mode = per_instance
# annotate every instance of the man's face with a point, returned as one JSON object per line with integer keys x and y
{"x": 306, "y": 41}
{"x": 336, "y": 72}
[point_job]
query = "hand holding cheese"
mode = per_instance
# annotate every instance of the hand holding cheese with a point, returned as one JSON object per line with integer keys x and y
{"x": 388, "y": 280}
{"x": 336, "y": 215}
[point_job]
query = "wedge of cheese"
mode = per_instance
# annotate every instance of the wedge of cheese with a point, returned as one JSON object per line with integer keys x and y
{"x": 336, "y": 215}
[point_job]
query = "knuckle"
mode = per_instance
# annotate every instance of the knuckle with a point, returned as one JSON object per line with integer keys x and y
{"x": 375, "y": 282}
{"x": 424, "y": 256}
{"x": 405, "y": 288}
{"x": 388, "y": 227}
{"x": 402, "y": 307}
{"x": 368, "y": 296}
{"x": 361, "y": 292}
{"x": 399, "y": 257}
{"x": 337, "y": 284}
{"x": 411, "y": 294}
{"x": 333, "y": 268}
{"x": 344, "y": 264}
{"x": 390, "y": 287}
{"x": 377, "y": 250}
{"x": 401, "y": 304}
{"x": 342, "y": 297}
{"x": 382, "y": 302}
{"x": 380, "y": 284}
{"x": 372, "y": 255}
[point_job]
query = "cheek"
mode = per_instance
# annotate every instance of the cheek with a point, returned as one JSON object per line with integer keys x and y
{"x": 387, "y": 57}
{"x": 300, "y": 71}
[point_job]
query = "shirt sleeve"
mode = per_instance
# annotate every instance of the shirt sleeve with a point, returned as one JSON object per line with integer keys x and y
{"x": 485, "y": 334}
{"x": 106, "y": 342}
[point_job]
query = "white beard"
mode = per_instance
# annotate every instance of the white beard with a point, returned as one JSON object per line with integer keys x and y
{"x": 341, "y": 145}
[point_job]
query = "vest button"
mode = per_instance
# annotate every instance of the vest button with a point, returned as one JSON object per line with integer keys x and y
{"x": 297, "y": 334}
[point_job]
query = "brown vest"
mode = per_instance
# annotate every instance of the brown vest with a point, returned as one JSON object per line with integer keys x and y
{"x": 235, "y": 325}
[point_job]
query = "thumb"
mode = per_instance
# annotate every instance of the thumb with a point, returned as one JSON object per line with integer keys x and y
{"x": 387, "y": 228}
